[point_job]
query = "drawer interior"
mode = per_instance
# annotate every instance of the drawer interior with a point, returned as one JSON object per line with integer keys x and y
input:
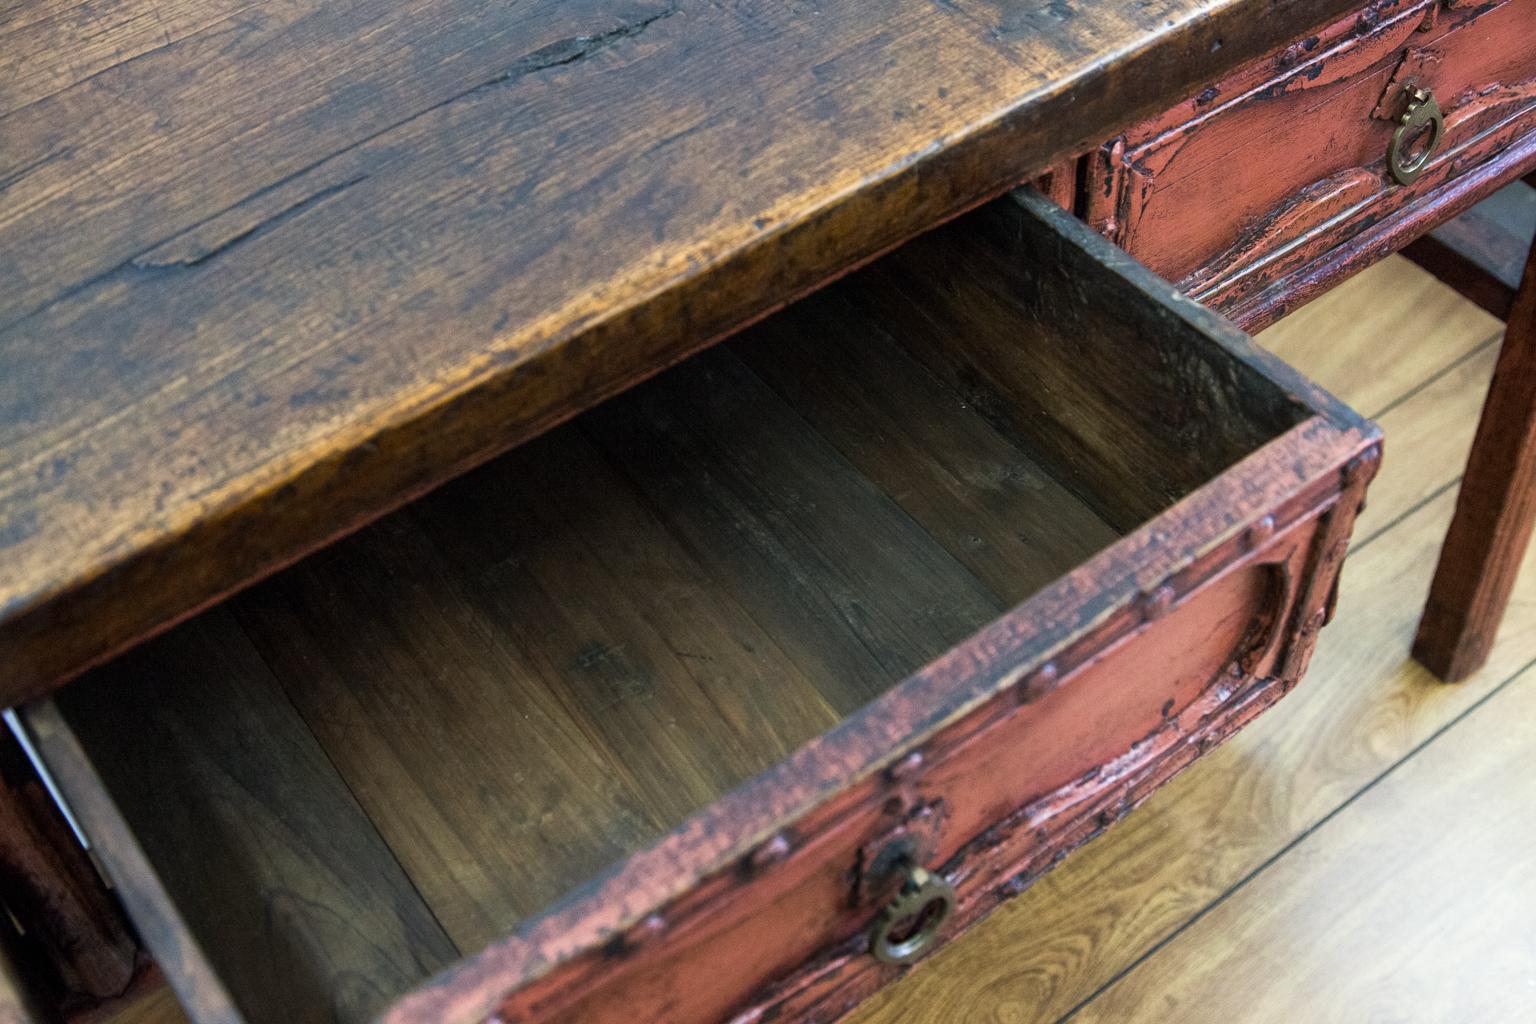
{"x": 379, "y": 760}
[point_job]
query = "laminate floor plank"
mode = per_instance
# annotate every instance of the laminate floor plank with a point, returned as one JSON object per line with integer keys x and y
{"x": 1380, "y": 334}
{"x": 1413, "y": 903}
{"x": 1429, "y": 432}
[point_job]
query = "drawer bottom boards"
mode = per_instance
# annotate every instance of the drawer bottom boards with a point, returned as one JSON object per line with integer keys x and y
{"x": 950, "y": 563}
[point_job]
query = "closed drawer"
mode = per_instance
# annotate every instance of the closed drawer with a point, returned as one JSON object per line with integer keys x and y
{"x": 947, "y": 566}
{"x": 1258, "y": 177}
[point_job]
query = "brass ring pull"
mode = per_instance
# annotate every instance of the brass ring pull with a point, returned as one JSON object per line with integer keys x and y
{"x": 1422, "y": 110}
{"x": 905, "y": 928}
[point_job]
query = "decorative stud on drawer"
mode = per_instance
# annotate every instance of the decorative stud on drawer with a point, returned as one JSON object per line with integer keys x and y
{"x": 1259, "y": 533}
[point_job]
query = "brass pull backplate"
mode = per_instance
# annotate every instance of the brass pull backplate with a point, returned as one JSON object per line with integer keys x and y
{"x": 1423, "y": 112}
{"x": 905, "y": 928}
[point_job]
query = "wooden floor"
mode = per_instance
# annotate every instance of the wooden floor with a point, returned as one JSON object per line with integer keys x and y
{"x": 1367, "y": 850}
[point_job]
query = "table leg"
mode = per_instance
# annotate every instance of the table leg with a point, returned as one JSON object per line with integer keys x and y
{"x": 1495, "y": 511}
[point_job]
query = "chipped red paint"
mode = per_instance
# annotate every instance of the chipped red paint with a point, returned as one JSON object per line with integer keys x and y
{"x": 1266, "y": 301}
{"x": 1272, "y": 185}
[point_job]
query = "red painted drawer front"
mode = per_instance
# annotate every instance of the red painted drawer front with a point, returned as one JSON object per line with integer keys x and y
{"x": 1255, "y": 176}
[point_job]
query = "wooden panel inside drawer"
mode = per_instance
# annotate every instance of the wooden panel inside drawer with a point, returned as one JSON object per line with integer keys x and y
{"x": 1262, "y": 173}
{"x": 967, "y": 552}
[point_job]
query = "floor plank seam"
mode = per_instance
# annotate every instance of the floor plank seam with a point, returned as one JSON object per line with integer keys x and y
{"x": 1408, "y": 513}
{"x": 1442, "y": 373}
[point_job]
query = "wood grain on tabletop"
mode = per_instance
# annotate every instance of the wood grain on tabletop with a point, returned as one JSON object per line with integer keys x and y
{"x": 1363, "y": 705}
{"x": 269, "y": 269}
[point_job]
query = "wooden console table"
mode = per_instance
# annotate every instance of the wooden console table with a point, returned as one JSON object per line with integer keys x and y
{"x": 727, "y": 698}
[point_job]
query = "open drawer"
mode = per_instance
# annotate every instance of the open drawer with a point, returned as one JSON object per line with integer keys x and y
{"x": 658, "y": 717}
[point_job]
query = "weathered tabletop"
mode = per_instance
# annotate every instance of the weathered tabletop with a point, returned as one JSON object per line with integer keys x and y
{"x": 270, "y": 267}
